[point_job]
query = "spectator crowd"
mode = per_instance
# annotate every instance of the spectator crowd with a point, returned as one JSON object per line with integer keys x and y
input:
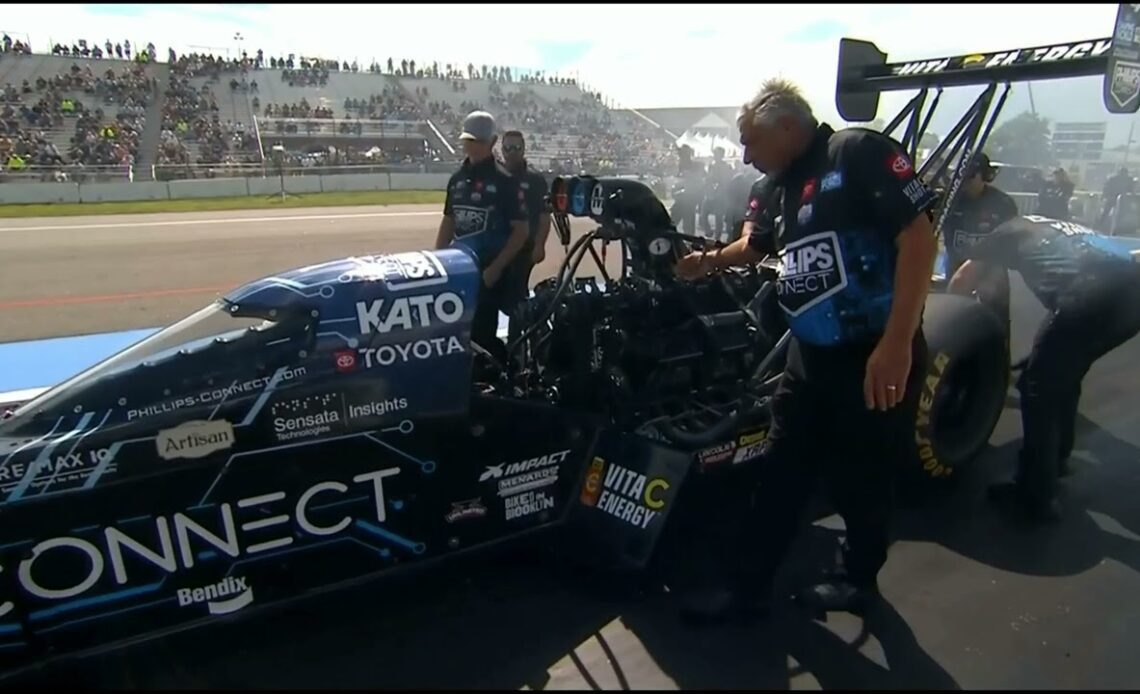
{"x": 108, "y": 110}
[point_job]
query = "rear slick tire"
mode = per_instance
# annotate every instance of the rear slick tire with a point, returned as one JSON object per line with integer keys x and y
{"x": 963, "y": 391}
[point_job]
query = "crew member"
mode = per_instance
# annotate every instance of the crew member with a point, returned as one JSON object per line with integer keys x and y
{"x": 1091, "y": 290}
{"x": 534, "y": 190}
{"x": 484, "y": 212}
{"x": 1053, "y": 196}
{"x": 1120, "y": 183}
{"x": 686, "y": 192}
{"x": 854, "y": 235}
{"x": 980, "y": 208}
{"x": 716, "y": 184}
{"x": 744, "y": 188}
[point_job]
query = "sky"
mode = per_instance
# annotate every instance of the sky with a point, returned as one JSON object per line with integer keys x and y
{"x": 646, "y": 56}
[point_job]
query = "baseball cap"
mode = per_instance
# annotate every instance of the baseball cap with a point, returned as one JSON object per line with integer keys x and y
{"x": 980, "y": 164}
{"x": 479, "y": 126}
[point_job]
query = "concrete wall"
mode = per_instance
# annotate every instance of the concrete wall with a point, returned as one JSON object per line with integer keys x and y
{"x": 41, "y": 193}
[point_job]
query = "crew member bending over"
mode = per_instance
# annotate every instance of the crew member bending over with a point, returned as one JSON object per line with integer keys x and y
{"x": 1091, "y": 289}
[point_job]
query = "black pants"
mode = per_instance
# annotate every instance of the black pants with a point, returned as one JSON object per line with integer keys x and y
{"x": 1069, "y": 341}
{"x": 517, "y": 277}
{"x": 823, "y": 432}
{"x": 485, "y": 325}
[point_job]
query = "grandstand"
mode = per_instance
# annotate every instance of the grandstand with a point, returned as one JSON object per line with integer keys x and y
{"x": 71, "y": 115}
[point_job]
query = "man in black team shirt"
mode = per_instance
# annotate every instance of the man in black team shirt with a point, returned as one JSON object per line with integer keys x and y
{"x": 850, "y": 223}
{"x": 484, "y": 212}
{"x": 743, "y": 189}
{"x": 980, "y": 209}
{"x": 1091, "y": 290}
{"x": 533, "y": 187}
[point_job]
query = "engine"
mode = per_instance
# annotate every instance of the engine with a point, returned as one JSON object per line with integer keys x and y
{"x": 646, "y": 350}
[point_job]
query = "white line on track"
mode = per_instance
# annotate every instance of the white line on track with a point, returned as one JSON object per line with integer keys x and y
{"x": 228, "y": 220}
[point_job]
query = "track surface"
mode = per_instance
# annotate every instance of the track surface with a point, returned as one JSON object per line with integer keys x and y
{"x": 974, "y": 602}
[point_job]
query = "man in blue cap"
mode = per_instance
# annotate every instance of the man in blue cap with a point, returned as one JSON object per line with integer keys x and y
{"x": 485, "y": 212}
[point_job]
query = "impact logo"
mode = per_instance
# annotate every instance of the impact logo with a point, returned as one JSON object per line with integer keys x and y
{"x": 213, "y": 595}
{"x": 305, "y": 417}
{"x": 494, "y": 472}
{"x": 810, "y": 271}
{"x": 196, "y": 439}
{"x": 407, "y": 312}
{"x": 631, "y": 496}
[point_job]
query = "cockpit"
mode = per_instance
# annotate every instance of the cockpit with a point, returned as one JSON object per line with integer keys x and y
{"x": 170, "y": 362}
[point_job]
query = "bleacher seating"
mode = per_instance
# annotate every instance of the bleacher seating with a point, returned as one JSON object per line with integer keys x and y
{"x": 66, "y": 110}
{"x": 214, "y": 111}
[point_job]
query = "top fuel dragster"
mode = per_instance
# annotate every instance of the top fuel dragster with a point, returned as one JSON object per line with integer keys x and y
{"x": 321, "y": 427}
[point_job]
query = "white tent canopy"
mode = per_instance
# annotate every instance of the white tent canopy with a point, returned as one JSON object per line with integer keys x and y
{"x": 703, "y": 145}
{"x": 711, "y": 121}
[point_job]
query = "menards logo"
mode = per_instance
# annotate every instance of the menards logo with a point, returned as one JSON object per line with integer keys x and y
{"x": 1045, "y": 54}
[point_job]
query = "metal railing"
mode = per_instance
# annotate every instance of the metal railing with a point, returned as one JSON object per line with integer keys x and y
{"x": 68, "y": 173}
{"x": 341, "y": 127}
{"x": 267, "y": 169}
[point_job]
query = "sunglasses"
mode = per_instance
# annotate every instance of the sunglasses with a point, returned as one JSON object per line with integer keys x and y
{"x": 512, "y": 148}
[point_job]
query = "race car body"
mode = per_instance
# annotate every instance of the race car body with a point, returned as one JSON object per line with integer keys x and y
{"x": 309, "y": 429}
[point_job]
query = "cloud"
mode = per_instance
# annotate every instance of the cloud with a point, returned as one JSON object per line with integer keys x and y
{"x": 638, "y": 55}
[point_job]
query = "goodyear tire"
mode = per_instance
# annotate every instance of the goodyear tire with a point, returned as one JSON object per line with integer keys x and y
{"x": 964, "y": 391}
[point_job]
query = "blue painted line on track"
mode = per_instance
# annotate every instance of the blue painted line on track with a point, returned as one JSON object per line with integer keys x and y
{"x": 41, "y": 363}
{"x": 44, "y": 363}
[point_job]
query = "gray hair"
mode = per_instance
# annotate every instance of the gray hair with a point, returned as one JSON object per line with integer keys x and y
{"x": 778, "y": 97}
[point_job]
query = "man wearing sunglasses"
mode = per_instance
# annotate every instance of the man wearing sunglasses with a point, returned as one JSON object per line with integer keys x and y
{"x": 533, "y": 187}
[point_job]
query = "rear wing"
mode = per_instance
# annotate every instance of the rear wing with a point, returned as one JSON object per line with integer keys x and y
{"x": 864, "y": 72}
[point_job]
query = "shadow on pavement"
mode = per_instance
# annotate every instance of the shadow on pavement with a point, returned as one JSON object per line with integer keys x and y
{"x": 508, "y": 626}
{"x": 1101, "y": 519}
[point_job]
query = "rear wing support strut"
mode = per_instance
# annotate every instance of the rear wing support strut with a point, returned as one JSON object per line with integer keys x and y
{"x": 968, "y": 136}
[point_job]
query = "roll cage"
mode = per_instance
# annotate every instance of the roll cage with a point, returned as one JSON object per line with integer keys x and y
{"x": 864, "y": 73}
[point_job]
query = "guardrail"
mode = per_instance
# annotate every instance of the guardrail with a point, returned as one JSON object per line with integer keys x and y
{"x": 41, "y": 193}
{"x": 69, "y": 172}
{"x": 278, "y": 126}
{"x": 170, "y": 172}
